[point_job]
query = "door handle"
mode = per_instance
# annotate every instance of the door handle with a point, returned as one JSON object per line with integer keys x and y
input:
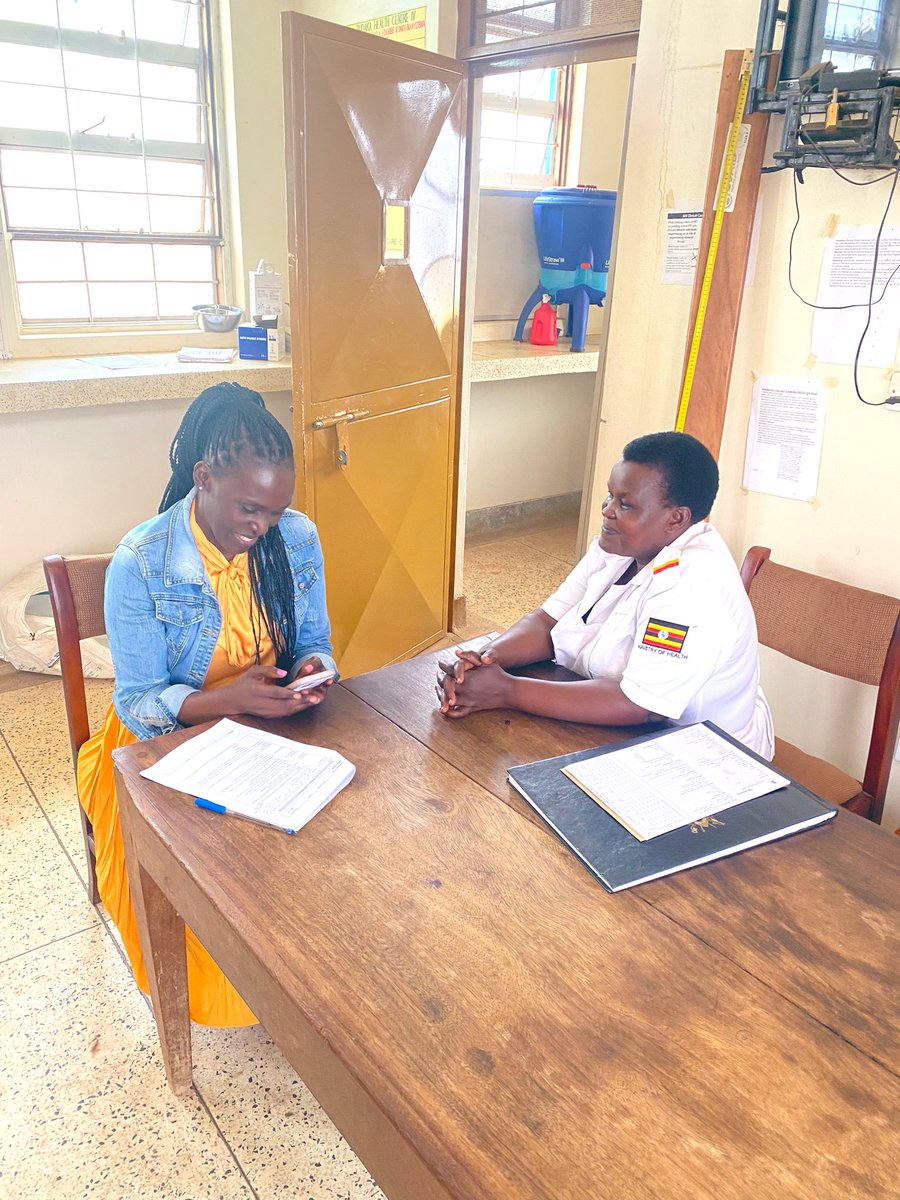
{"x": 339, "y": 422}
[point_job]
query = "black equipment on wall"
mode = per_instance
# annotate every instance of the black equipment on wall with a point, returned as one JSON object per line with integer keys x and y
{"x": 835, "y": 82}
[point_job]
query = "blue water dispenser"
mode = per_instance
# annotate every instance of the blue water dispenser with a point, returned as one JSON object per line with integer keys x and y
{"x": 573, "y": 227}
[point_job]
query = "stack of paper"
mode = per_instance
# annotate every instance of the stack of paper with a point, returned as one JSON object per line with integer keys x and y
{"x": 212, "y": 354}
{"x": 253, "y": 774}
{"x": 655, "y": 786}
{"x": 120, "y": 362}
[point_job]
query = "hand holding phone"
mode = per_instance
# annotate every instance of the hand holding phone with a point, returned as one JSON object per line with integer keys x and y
{"x": 302, "y": 682}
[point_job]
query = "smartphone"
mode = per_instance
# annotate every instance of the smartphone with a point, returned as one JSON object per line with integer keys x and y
{"x": 302, "y": 682}
{"x": 294, "y": 673}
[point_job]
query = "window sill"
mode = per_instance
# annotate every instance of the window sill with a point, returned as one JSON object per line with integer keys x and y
{"x": 43, "y": 384}
{"x": 492, "y": 361}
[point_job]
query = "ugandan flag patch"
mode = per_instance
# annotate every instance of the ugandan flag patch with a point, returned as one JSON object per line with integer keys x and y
{"x": 665, "y": 635}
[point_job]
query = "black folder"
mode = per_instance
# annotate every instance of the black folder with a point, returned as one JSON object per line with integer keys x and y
{"x": 619, "y": 860}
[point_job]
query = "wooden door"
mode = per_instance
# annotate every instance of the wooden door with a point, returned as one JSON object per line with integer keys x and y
{"x": 375, "y": 163}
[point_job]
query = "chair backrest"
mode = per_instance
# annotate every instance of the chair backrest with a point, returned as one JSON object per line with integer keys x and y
{"x": 838, "y": 628}
{"x": 76, "y": 598}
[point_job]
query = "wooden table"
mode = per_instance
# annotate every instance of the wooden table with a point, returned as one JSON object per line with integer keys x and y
{"x": 483, "y": 1021}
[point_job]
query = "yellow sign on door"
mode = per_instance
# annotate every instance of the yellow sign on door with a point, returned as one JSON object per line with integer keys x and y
{"x": 395, "y": 232}
{"x": 407, "y": 26}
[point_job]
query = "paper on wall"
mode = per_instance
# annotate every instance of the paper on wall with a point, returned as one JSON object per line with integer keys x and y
{"x": 750, "y": 273}
{"x": 682, "y": 243}
{"x": 740, "y": 153}
{"x": 784, "y": 438}
{"x": 845, "y": 279}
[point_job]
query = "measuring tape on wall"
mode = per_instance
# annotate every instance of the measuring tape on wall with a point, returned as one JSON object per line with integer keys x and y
{"x": 721, "y": 203}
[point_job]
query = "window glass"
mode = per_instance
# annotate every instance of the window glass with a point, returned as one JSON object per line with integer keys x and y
{"x": 521, "y": 123}
{"x": 106, "y": 164}
{"x": 858, "y": 34}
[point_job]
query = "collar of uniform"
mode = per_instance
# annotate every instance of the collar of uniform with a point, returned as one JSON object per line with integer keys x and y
{"x": 604, "y": 577}
{"x": 611, "y": 562}
{"x": 672, "y": 553}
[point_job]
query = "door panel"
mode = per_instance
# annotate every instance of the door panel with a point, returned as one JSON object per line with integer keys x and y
{"x": 375, "y": 137}
{"x": 381, "y": 510}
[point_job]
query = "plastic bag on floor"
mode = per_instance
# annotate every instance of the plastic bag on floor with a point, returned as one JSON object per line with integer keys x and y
{"x": 28, "y": 635}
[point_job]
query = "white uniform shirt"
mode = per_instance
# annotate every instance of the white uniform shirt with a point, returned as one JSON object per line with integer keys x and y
{"x": 679, "y": 638}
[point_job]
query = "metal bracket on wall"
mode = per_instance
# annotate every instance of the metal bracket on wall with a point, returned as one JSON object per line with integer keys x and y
{"x": 339, "y": 422}
{"x": 860, "y": 137}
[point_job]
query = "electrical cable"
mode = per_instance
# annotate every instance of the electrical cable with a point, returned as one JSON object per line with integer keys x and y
{"x": 829, "y": 307}
{"x": 870, "y": 304}
{"x": 804, "y": 136}
{"x": 807, "y": 140}
{"x": 859, "y": 395}
{"x": 811, "y": 141}
{"x": 856, "y": 183}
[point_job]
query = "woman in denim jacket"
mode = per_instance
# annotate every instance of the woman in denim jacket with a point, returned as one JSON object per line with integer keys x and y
{"x": 208, "y": 606}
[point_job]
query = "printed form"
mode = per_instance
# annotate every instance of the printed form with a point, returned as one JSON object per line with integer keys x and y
{"x": 254, "y": 774}
{"x": 670, "y": 781}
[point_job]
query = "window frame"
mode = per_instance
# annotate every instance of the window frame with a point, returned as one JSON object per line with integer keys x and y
{"x": 35, "y": 339}
{"x": 473, "y": 44}
{"x": 565, "y": 105}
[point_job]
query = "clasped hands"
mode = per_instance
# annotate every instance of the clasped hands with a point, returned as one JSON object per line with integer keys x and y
{"x": 472, "y": 683}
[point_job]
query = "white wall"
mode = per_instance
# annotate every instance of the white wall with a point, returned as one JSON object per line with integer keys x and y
{"x": 527, "y": 438}
{"x": 250, "y": 35}
{"x": 75, "y": 480}
{"x": 850, "y": 531}
{"x": 605, "y": 104}
{"x": 507, "y": 269}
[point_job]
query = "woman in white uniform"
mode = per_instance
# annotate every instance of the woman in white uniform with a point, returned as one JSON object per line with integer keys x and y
{"x": 654, "y": 617}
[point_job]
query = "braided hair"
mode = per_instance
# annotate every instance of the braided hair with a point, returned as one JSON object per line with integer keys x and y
{"x": 224, "y": 424}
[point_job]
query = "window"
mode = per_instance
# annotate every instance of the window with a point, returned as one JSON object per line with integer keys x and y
{"x": 107, "y": 162}
{"x": 495, "y": 24}
{"x": 858, "y": 34}
{"x": 522, "y": 122}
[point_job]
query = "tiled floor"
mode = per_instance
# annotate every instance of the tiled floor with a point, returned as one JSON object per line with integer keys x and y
{"x": 83, "y": 1098}
{"x": 509, "y": 573}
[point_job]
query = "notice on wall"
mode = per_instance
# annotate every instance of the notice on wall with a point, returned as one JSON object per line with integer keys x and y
{"x": 682, "y": 243}
{"x": 407, "y": 26}
{"x": 845, "y": 281}
{"x": 784, "y": 438}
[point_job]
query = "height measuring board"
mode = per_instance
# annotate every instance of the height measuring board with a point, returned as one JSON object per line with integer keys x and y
{"x": 728, "y": 168}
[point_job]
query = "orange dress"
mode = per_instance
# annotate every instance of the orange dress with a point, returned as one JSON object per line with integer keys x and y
{"x": 213, "y": 1000}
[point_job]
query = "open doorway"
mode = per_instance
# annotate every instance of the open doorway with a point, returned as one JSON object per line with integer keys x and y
{"x": 529, "y": 409}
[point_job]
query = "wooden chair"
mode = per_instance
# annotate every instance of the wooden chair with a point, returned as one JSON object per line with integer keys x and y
{"x": 76, "y": 598}
{"x": 845, "y": 631}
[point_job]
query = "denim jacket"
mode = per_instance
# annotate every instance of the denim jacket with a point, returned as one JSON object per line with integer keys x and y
{"x": 163, "y": 618}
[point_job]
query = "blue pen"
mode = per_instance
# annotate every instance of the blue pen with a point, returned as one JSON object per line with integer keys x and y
{"x": 220, "y": 808}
